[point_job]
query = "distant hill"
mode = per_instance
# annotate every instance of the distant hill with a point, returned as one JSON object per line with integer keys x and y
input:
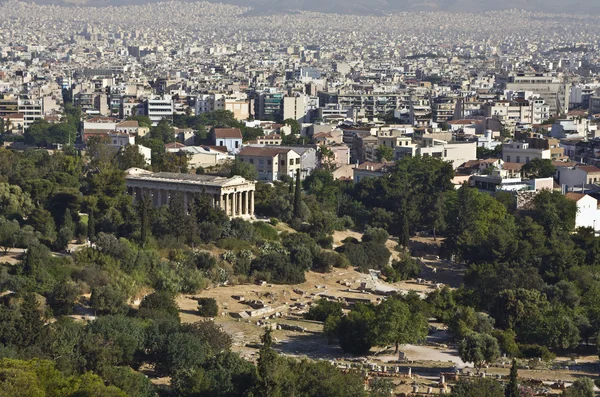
{"x": 377, "y": 7}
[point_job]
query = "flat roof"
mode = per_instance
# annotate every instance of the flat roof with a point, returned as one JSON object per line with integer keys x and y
{"x": 137, "y": 174}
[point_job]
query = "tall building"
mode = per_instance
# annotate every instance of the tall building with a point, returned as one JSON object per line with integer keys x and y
{"x": 269, "y": 106}
{"x": 551, "y": 89}
{"x": 159, "y": 108}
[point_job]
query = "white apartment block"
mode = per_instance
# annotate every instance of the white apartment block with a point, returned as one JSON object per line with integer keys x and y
{"x": 158, "y": 108}
{"x": 520, "y": 152}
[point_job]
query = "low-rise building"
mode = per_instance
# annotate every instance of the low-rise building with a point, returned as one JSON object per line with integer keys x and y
{"x": 231, "y": 138}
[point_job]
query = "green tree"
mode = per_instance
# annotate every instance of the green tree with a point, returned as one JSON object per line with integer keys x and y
{"x": 539, "y": 168}
{"x": 208, "y": 307}
{"x": 298, "y": 197}
{"x": 323, "y": 309}
{"x": 477, "y": 388}
{"x": 62, "y": 298}
{"x": 384, "y": 152}
{"x": 266, "y": 366}
{"x": 396, "y": 324}
{"x": 245, "y": 170}
{"x": 163, "y": 131}
{"x": 478, "y": 349}
{"x": 512, "y": 389}
{"x": 355, "y": 330}
{"x": 130, "y": 157}
{"x": 91, "y": 226}
{"x": 583, "y": 387}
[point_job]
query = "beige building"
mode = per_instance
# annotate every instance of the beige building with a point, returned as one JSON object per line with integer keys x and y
{"x": 523, "y": 153}
{"x": 294, "y": 108}
{"x": 234, "y": 195}
{"x": 272, "y": 163}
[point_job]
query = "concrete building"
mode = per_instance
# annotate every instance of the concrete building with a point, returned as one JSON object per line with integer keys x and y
{"x": 231, "y": 138}
{"x": 523, "y": 153}
{"x": 588, "y": 214}
{"x": 577, "y": 176}
{"x": 547, "y": 87}
{"x": 269, "y": 140}
{"x": 159, "y": 108}
{"x": 234, "y": 195}
{"x": 294, "y": 107}
{"x": 271, "y": 163}
{"x": 236, "y": 103}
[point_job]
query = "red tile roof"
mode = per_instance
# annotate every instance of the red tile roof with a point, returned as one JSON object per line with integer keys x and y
{"x": 224, "y": 133}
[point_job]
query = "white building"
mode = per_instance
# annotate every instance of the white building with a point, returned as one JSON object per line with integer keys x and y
{"x": 588, "y": 214}
{"x": 520, "y": 152}
{"x": 159, "y": 108}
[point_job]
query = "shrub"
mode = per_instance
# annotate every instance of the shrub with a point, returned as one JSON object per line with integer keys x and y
{"x": 274, "y": 221}
{"x": 207, "y": 307}
{"x": 265, "y": 231}
{"x": 233, "y": 244}
{"x": 536, "y": 351}
{"x": 323, "y": 309}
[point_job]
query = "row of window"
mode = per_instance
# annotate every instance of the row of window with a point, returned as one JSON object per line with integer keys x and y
{"x": 270, "y": 162}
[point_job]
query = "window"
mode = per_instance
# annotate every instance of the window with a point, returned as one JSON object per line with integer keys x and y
{"x": 508, "y": 159}
{"x": 237, "y": 144}
{"x": 282, "y": 162}
{"x": 252, "y": 161}
{"x": 292, "y": 162}
{"x": 269, "y": 162}
{"x": 221, "y": 143}
{"x": 518, "y": 159}
{"x": 526, "y": 159}
{"x": 297, "y": 161}
{"x": 260, "y": 162}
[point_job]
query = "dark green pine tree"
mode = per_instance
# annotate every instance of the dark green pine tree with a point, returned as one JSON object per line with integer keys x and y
{"x": 31, "y": 324}
{"x": 512, "y": 389}
{"x": 91, "y": 226}
{"x": 144, "y": 213}
{"x": 266, "y": 367}
{"x": 405, "y": 233}
{"x": 297, "y": 197}
{"x": 68, "y": 220}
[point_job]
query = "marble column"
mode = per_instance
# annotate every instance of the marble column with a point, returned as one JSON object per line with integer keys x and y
{"x": 234, "y": 205}
{"x": 252, "y": 203}
{"x": 246, "y": 203}
{"x": 156, "y": 197}
{"x": 226, "y": 204}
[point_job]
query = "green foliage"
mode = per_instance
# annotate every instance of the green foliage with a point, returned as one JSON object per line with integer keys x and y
{"x": 365, "y": 256}
{"x": 477, "y": 388}
{"x": 539, "y": 168}
{"x": 478, "y": 349}
{"x": 39, "y": 378}
{"x": 354, "y": 331}
{"x": 324, "y": 308}
{"x": 62, "y": 298}
{"x": 245, "y": 170}
{"x": 397, "y": 325}
{"x": 583, "y": 387}
{"x": 207, "y": 307}
{"x": 384, "y": 152}
{"x": 159, "y": 305}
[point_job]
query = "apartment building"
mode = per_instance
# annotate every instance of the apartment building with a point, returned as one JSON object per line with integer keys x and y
{"x": 523, "y": 152}
{"x": 271, "y": 163}
{"x": 236, "y": 103}
{"x": 545, "y": 86}
{"x": 158, "y": 108}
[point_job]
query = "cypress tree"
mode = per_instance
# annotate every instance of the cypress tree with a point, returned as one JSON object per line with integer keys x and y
{"x": 512, "y": 389}
{"x": 297, "y": 196}
{"x": 405, "y": 236}
{"x": 91, "y": 226}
